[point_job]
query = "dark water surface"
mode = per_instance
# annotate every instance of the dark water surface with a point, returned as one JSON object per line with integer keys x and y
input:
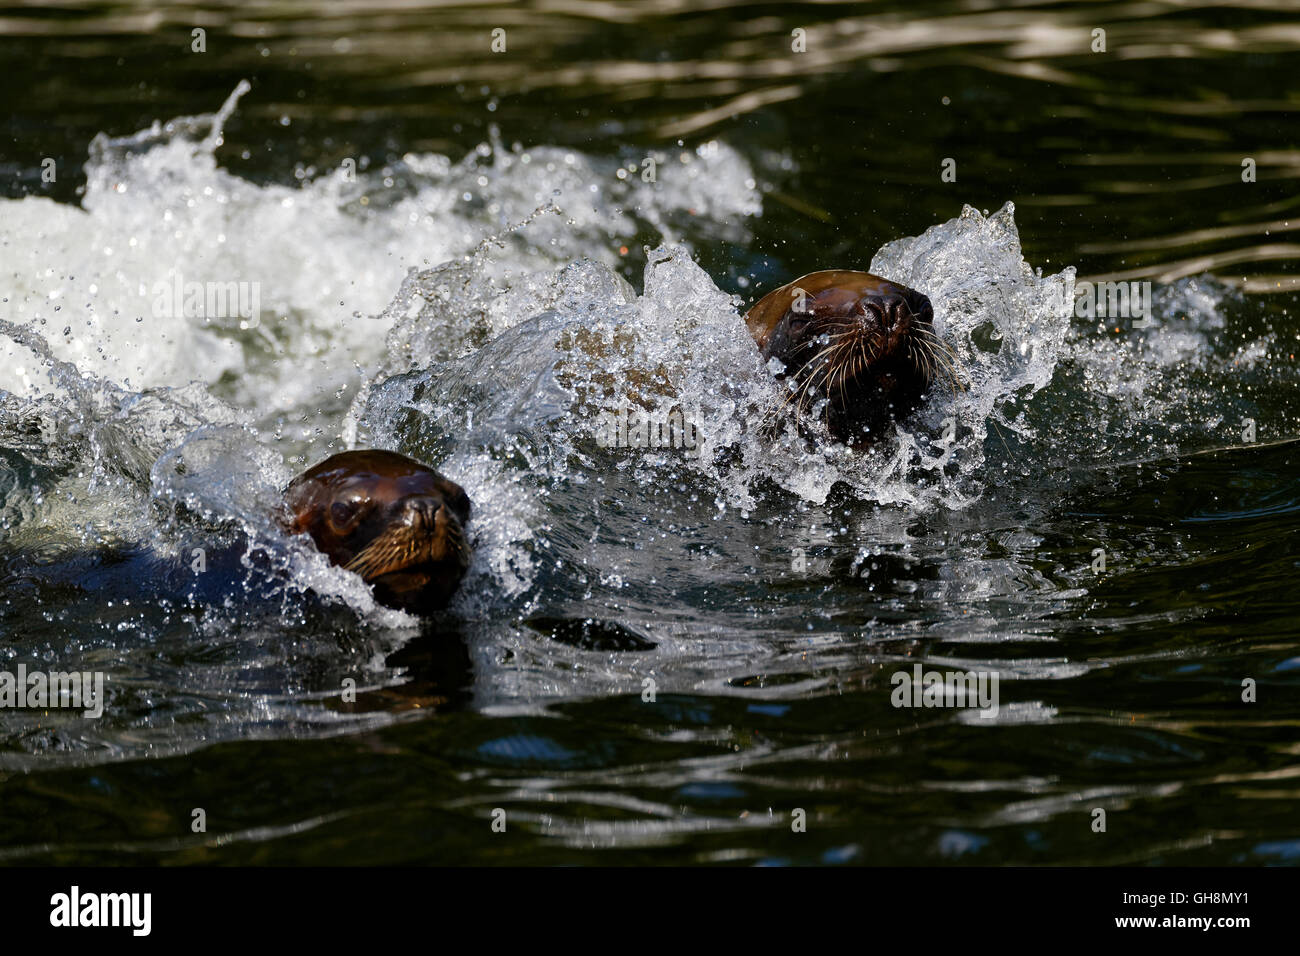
{"x": 769, "y": 596}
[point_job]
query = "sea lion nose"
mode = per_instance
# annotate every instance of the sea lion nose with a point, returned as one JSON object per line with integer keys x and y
{"x": 887, "y": 310}
{"x": 894, "y": 310}
{"x": 420, "y": 509}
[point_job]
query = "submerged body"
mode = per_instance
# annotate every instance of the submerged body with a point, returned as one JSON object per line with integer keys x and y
{"x": 394, "y": 521}
{"x": 859, "y": 350}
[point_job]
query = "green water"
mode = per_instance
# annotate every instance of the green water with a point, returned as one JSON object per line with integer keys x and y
{"x": 1128, "y": 684}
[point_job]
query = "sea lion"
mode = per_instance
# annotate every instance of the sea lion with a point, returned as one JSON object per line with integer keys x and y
{"x": 397, "y": 523}
{"x": 860, "y": 349}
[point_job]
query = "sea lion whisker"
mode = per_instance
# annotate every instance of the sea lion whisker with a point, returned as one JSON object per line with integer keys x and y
{"x": 921, "y": 360}
{"x": 941, "y": 348}
{"x": 938, "y": 367}
{"x": 944, "y": 359}
{"x": 815, "y": 381}
{"x": 916, "y": 359}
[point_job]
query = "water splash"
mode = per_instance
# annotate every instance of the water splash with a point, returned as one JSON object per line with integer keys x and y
{"x": 160, "y": 213}
{"x": 594, "y": 347}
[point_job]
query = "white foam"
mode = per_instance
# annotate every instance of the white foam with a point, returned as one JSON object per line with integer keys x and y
{"x": 325, "y": 255}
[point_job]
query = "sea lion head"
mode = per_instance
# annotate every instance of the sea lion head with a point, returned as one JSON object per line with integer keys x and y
{"x": 397, "y": 523}
{"x": 864, "y": 344}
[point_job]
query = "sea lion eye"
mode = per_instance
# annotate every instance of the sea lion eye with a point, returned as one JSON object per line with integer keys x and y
{"x": 344, "y": 513}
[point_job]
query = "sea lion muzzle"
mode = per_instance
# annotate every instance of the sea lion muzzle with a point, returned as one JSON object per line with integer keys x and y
{"x": 397, "y": 523}
{"x": 859, "y": 347}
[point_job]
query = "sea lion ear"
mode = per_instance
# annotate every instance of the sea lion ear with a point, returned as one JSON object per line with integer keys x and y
{"x": 779, "y": 341}
{"x": 293, "y": 514}
{"x": 287, "y": 519}
{"x": 453, "y": 495}
{"x": 459, "y": 502}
